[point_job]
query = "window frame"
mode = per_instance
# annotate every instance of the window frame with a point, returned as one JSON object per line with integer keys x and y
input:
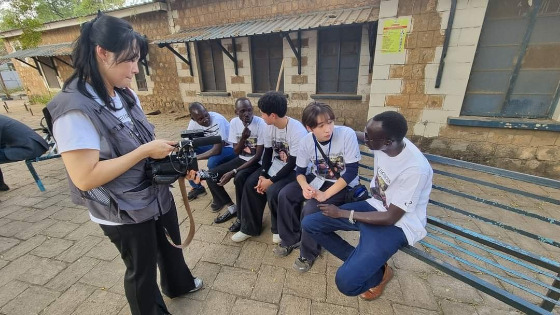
{"x": 320, "y": 60}
{"x": 214, "y": 51}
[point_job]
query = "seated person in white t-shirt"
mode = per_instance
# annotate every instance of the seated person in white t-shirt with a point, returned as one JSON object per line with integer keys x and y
{"x": 326, "y": 165}
{"x": 215, "y": 125}
{"x": 246, "y": 133}
{"x": 394, "y": 217}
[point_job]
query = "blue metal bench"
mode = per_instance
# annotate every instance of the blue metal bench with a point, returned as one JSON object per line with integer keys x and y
{"x": 524, "y": 278}
{"x": 52, "y": 153}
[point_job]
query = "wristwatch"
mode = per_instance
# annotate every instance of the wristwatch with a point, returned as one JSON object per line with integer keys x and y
{"x": 234, "y": 171}
{"x": 351, "y": 217}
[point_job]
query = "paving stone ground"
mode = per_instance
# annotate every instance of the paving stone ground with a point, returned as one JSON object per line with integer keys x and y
{"x": 53, "y": 260}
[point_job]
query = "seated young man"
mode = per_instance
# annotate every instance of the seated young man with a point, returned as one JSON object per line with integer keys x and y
{"x": 246, "y": 132}
{"x": 216, "y": 125}
{"x": 283, "y": 134}
{"x": 393, "y": 217}
{"x": 330, "y": 154}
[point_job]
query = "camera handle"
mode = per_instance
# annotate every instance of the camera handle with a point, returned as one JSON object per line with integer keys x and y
{"x": 190, "y": 235}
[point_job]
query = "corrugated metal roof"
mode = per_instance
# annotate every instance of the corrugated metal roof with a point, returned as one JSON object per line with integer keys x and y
{"x": 275, "y": 25}
{"x": 41, "y": 51}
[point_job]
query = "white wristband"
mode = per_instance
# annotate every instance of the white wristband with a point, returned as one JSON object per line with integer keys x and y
{"x": 351, "y": 217}
{"x": 234, "y": 171}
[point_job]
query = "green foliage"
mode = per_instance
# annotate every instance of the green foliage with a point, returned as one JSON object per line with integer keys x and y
{"x": 29, "y": 15}
{"x": 40, "y": 99}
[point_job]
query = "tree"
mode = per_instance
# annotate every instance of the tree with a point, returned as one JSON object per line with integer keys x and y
{"x": 29, "y": 15}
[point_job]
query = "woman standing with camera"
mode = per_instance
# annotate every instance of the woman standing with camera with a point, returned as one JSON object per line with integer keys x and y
{"x": 105, "y": 140}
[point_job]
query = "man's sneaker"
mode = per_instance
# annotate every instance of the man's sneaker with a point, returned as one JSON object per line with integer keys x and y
{"x": 282, "y": 251}
{"x": 376, "y": 291}
{"x": 240, "y": 237}
{"x": 197, "y": 285}
{"x": 276, "y": 238}
{"x": 195, "y": 192}
{"x": 302, "y": 264}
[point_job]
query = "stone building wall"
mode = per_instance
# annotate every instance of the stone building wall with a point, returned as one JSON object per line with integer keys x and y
{"x": 298, "y": 87}
{"x": 406, "y": 82}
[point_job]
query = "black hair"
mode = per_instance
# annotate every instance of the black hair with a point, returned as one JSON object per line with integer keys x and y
{"x": 195, "y": 106}
{"x": 393, "y": 123}
{"x": 312, "y": 111}
{"x": 115, "y": 35}
{"x": 242, "y": 99}
{"x": 273, "y": 103}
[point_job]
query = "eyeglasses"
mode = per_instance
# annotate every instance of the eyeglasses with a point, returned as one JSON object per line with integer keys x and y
{"x": 367, "y": 139}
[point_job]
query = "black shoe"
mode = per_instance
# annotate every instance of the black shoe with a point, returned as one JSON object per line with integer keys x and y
{"x": 226, "y": 216}
{"x": 4, "y": 187}
{"x": 195, "y": 192}
{"x": 216, "y": 207}
{"x": 236, "y": 226}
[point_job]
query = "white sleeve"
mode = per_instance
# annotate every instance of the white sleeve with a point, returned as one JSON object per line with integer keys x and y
{"x": 232, "y": 131}
{"x": 268, "y": 136}
{"x": 261, "y": 134}
{"x": 351, "y": 147}
{"x": 75, "y": 131}
{"x": 295, "y": 139}
{"x": 191, "y": 125}
{"x": 224, "y": 128}
{"x": 303, "y": 155}
{"x": 409, "y": 187}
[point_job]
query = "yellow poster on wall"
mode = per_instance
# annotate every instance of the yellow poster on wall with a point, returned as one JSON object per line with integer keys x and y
{"x": 394, "y": 35}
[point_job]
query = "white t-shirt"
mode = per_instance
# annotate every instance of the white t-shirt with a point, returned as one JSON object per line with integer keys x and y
{"x": 404, "y": 181}
{"x": 284, "y": 142}
{"x": 74, "y": 131}
{"x": 258, "y": 130}
{"x": 219, "y": 126}
{"x": 342, "y": 149}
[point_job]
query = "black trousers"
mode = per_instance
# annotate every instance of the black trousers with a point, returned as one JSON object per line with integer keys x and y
{"x": 218, "y": 192}
{"x": 253, "y": 203}
{"x": 291, "y": 211}
{"x": 143, "y": 246}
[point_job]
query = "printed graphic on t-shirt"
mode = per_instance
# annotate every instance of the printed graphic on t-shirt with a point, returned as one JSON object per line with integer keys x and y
{"x": 281, "y": 150}
{"x": 322, "y": 168}
{"x": 378, "y": 192}
{"x": 249, "y": 147}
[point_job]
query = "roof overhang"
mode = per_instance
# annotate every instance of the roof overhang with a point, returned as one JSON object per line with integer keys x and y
{"x": 120, "y": 13}
{"x": 41, "y": 51}
{"x": 278, "y": 24}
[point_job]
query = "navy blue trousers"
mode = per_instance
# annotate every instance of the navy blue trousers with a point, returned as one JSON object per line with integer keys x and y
{"x": 363, "y": 265}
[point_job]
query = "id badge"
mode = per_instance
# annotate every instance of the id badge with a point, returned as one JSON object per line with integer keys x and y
{"x": 317, "y": 182}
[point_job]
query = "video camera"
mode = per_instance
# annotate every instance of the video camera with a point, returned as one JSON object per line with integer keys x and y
{"x": 167, "y": 170}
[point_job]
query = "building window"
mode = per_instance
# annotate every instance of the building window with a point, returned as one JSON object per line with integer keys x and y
{"x": 141, "y": 78}
{"x": 266, "y": 53}
{"x": 49, "y": 72}
{"x": 507, "y": 80}
{"x": 211, "y": 61}
{"x": 339, "y": 60}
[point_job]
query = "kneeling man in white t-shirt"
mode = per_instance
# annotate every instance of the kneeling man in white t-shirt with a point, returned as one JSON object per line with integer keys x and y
{"x": 393, "y": 217}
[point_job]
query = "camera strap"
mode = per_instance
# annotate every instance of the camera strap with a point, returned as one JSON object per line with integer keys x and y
{"x": 327, "y": 160}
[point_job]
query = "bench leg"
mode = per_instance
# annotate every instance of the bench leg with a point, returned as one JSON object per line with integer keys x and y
{"x": 553, "y": 295}
{"x": 35, "y": 175}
